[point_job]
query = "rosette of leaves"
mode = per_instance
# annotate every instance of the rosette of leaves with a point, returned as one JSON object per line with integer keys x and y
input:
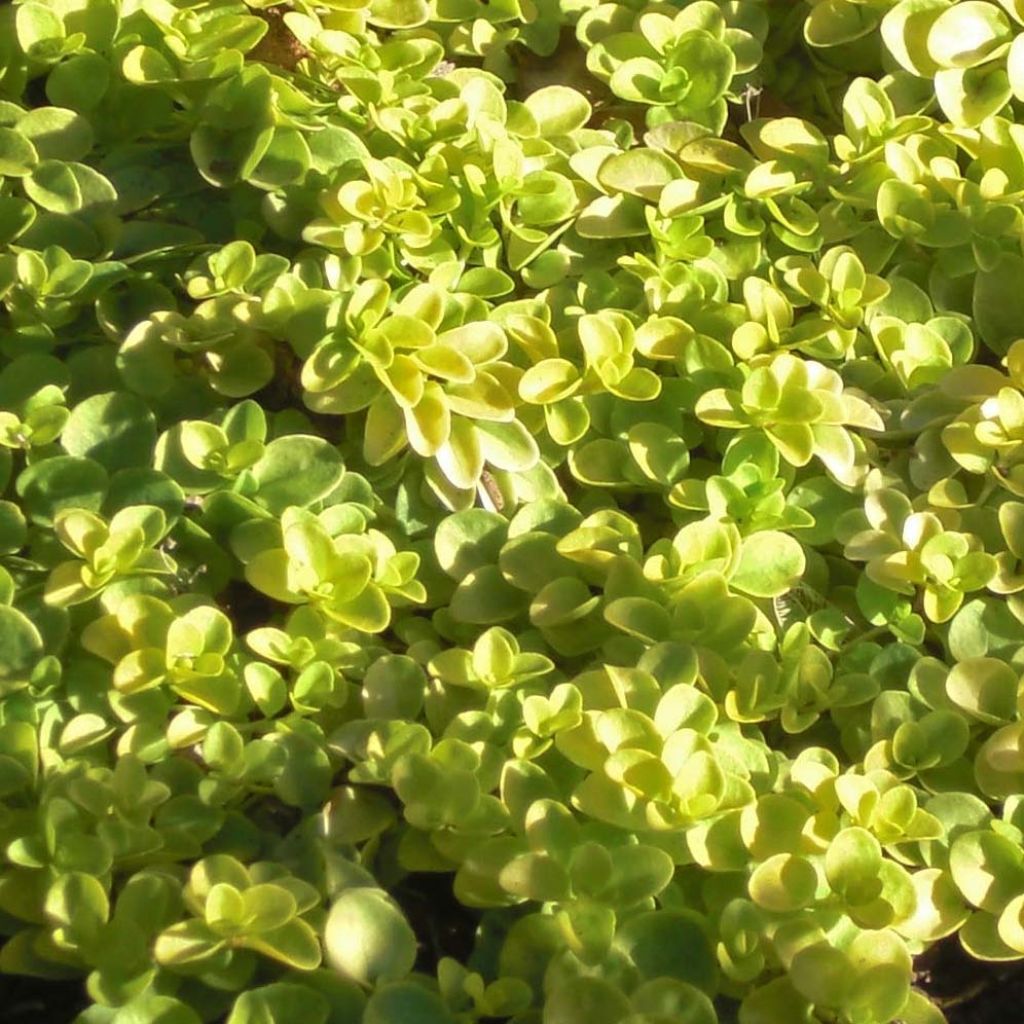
{"x": 990, "y": 146}
{"x": 35, "y": 422}
{"x": 212, "y": 344}
{"x": 83, "y": 928}
{"x": 589, "y": 876}
{"x": 764, "y": 564}
{"x": 840, "y": 293}
{"x": 236, "y": 269}
{"x": 968, "y": 49}
{"x": 348, "y": 573}
{"x": 566, "y": 603}
{"x": 112, "y": 936}
{"x": 361, "y": 213}
{"x": 47, "y": 288}
{"x": 219, "y": 452}
{"x": 648, "y": 770}
{"x": 827, "y": 976}
{"x": 447, "y": 793}
{"x": 683, "y": 67}
{"x": 106, "y": 552}
{"x": 750, "y": 490}
{"x": 802, "y": 407}
{"x": 922, "y": 353}
{"x": 252, "y": 127}
{"x": 986, "y": 870}
{"x": 383, "y": 77}
{"x": 696, "y": 609}
{"x": 238, "y": 911}
{"x": 911, "y": 552}
{"x": 609, "y": 346}
{"x": 642, "y": 446}
{"x": 922, "y": 733}
{"x": 930, "y": 202}
{"x": 811, "y": 686}
{"x": 181, "y": 47}
{"x": 984, "y": 437}
{"x": 870, "y": 119}
{"x": 317, "y": 657}
{"x": 428, "y": 380}
{"x": 467, "y": 992}
{"x": 495, "y": 662}
{"x": 838, "y": 290}
{"x": 467, "y": 546}
{"x": 759, "y": 198}
{"x": 152, "y": 643}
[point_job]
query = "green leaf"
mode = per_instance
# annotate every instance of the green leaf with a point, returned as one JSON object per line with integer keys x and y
{"x": 535, "y": 876}
{"x": 822, "y": 974}
{"x": 784, "y": 883}
{"x": 558, "y": 110}
{"x": 997, "y": 305}
{"x": 294, "y": 944}
{"x": 640, "y": 617}
{"x": 296, "y": 470}
{"x": 279, "y": 1003}
{"x": 187, "y": 942}
{"x": 20, "y": 643}
{"x": 57, "y": 133}
{"x": 773, "y": 825}
{"x": 577, "y": 1000}
{"x": 852, "y": 864}
{"x": 967, "y": 34}
{"x": 150, "y": 1008}
{"x": 669, "y": 999}
{"x": 638, "y": 873}
{"x": 639, "y": 172}
{"x": 484, "y": 597}
{"x": 985, "y": 688}
{"x": 367, "y": 937}
{"x": 906, "y": 30}
{"x": 987, "y": 868}
{"x": 771, "y": 563}
{"x": 61, "y": 482}
{"x": 405, "y": 1001}
{"x": 778, "y": 999}
{"x": 398, "y": 14}
{"x": 469, "y": 540}
{"x": 355, "y": 815}
{"x": 969, "y": 95}
{"x": 225, "y": 155}
{"x": 939, "y": 910}
{"x": 17, "y": 154}
{"x": 37, "y": 25}
{"x": 116, "y": 429}
{"x": 79, "y": 83}
{"x": 55, "y": 187}
{"x": 669, "y": 944}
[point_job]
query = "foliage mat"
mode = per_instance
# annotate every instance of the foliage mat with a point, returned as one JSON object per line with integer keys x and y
{"x": 511, "y": 511}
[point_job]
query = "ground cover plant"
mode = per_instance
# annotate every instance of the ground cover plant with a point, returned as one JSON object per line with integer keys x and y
{"x": 510, "y": 510}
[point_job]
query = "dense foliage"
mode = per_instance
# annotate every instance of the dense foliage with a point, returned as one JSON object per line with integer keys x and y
{"x": 567, "y": 455}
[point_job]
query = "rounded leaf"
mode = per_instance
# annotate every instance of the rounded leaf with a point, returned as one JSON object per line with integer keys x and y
{"x": 986, "y": 688}
{"x": 770, "y": 564}
{"x": 21, "y": 645}
{"x": 784, "y": 883}
{"x": 558, "y": 110}
{"x": 296, "y": 470}
{"x": 116, "y": 429}
{"x": 367, "y": 937}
